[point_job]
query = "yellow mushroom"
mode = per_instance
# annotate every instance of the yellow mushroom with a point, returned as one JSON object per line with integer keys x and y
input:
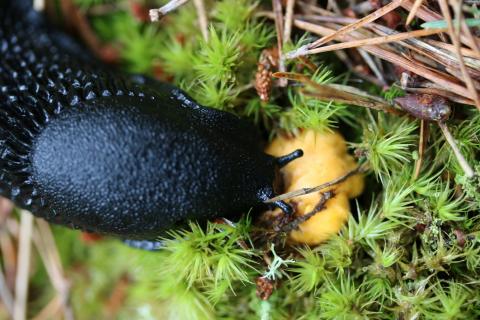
{"x": 325, "y": 158}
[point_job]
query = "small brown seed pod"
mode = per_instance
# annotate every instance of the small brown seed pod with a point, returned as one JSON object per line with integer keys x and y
{"x": 425, "y": 106}
{"x": 267, "y": 63}
{"x": 264, "y": 288}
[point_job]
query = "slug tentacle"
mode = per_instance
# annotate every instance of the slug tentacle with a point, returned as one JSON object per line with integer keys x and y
{"x": 286, "y": 159}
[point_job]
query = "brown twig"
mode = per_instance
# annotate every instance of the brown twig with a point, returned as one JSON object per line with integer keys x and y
{"x": 324, "y": 197}
{"x": 76, "y": 19}
{"x": 157, "y": 14}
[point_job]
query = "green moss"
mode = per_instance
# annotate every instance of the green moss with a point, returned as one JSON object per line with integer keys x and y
{"x": 410, "y": 250}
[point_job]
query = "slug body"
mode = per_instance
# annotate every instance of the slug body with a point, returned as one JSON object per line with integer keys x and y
{"x": 87, "y": 147}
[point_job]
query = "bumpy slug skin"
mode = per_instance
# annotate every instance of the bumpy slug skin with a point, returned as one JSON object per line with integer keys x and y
{"x": 325, "y": 158}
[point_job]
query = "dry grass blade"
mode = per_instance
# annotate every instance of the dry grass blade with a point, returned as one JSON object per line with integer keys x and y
{"x": 309, "y": 7}
{"x": 357, "y": 92}
{"x": 421, "y": 148}
{"x": 360, "y": 23}
{"x": 436, "y": 76}
{"x": 351, "y": 100}
{"x": 288, "y": 20}
{"x": 277, "y": 10}
{"x": 428, "y": 15}
{"x": 461, "y": 159}
{"x": 332, "y": 5}
{"x": 50, "y": 310}
{"x": 430, "y": 51}
{"x": 447, "y": 46}
{"x": 6, "y": 295}
{"x": 24, "y": 251}
{"x": 46, "y": 247}
{"x": 438, "y": 51}
{"x": 441, "y": 92}
{"x": 376, "y": 40}
{"x": 346, "y": 29}
{"x": 473, "y": 42}
{"x": 413, "y": 11}
{"x": 422, "y": 12}
{"x": 304, "y": 191}
{"x": 416, "y": 67}
{"x": 9, "y": 258}
{"x": 339, "y": 93}
{"x": 202, "y": 17}
{"x": 297, "y": 77}
{"x": 433, "y": 55}
{"x": 456, "y": 42}
{"x": 373, "y": 65}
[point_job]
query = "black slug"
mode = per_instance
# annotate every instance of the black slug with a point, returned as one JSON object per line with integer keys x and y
{"x": 88, "y": 147}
